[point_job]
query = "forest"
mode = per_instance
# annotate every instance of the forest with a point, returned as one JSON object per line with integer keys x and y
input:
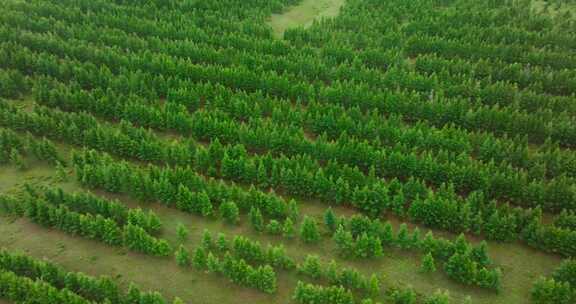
{"x": 288, "y": 151}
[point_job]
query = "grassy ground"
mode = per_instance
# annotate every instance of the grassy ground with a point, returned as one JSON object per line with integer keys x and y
{"x": 521, "y": 264}
{"x": 304, "y": 14}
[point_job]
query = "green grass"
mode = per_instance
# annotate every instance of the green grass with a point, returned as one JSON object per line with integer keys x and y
{"x": 304, "y": 14}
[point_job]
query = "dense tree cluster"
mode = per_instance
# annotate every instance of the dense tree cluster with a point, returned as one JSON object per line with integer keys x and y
{"x": 84, "y": 202}
{"x": 560, "y": 288}
{"x": 25, "y": 279}
{"x": 362, "y": 237}
{"x": 93, "y": 226}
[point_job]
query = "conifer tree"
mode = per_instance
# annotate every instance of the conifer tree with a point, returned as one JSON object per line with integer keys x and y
{"x": 330, "y": 220}
{"x": 274, "y": 227}
{"x": 256, "y": 219}
{"x": 230, "y": 212}
{"x": 61, "y": 173}
{"x": 309, "y": 230}
{"x": 182, "y": 232}
{"x": 200, "y": 258}
{"x": 182, "y": 256}
{"x": 288, "y": 230}
{"x": 311, "y": 266}
{"x": 374, "y": 287}
{"x": 222, "y": 242}
{"x": 403, "y": 238}
{"x": 207, "y": 241}
{"x": 428, "y": 264}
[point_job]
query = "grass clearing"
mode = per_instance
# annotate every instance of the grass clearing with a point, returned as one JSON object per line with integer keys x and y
{"x": 304, "y": 14}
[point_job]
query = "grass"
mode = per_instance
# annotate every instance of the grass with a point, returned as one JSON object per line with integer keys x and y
{"x": 304, "y": 14}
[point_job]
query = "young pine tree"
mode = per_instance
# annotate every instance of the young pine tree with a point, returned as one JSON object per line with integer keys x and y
{"x": 311, "y": 267}
{"x": 256, "y": 219}
{"x": 207, "y": 241}
{"x": 200, "y": 258}
{"x": 428, "y": 264}
{"x": 309, "y": 230}
{"x": 274, "y": 227}
{"x": 222, "y": 242}
{"x": 230, "y": 212}
{"x": 182, "y": 256}
{"x": 288, "y": 230}
{"x": 330, "y": 220}
{"x": 181, "y": 232}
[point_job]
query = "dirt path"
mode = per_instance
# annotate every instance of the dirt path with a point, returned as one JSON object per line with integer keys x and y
{"x": 304, "y": 14}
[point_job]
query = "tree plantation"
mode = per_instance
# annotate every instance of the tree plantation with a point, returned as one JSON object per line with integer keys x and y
{"x": 288, "y": 151}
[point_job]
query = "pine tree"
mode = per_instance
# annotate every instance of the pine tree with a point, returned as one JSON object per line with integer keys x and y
{"x": 311, "y": 266}
{"x": 288, "y": 230}
{"x": 309, "y": 230}
{"x": 61, "y": 172}
{"x": 274, "y": 227}
{"x": 182, "y": 256}
{"x": 200, "y": 258}
{"x": 439, "y": 297}
{"x": 213, "y": 264}
{"x": 207, "y": 241}
{"x": 17, "y": 160}
{"x": 416, "y": 238}
{"x": 428, "y": 264}
{"x": 181, "y": 232}
{"x": 230, "y": 212}
{"x": 403, "y": 238}
{"x": 256, "y": 219}
{"x": 222, "y": 242}
{"x": 374, "y": 287}
{"x": 330, "y": 220}
{"x": 177, "y": 300}
{"x": 293, "y": 210}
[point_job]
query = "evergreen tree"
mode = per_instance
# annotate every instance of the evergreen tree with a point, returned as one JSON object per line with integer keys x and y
{"x": 274, "y": 227}
{"x": 439, "y": 297}
{"x": 61, "y": 172}
{"x": 309, "y": 230}
{"x": 200, "y": 258}
{"x": 330, "y": 220}
{"x": 288, "y": 230}
{"x": 222, "y": 242}
{"x": 293, "y": 210}
{"x": 403, "y": 238}
{"x": 182, "y": 256}
{"x": 311, "y": 267}
{"x": 374, "y": 287}
{"x": 428, "y": 264}
{"x": 230, "y": 212}
{"x": 17, "y": 160}
{"x": 256, "y": 219}
{"x": 207, "y": 241}
{"x": 182, "y": 232}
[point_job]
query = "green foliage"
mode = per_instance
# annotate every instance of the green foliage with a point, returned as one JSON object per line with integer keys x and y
{"x": 309, "y": 230}
{"x": 230, "y": 212}
{"x": 182, "y": 256}
{"x": 288, "y": 230}
{"x": 311, "y": 266}
{"x": 256, "y": 219}
{"x": 428, "y": 265}
{"x": 549, "y": 291}
{"x": 182, "y": 232}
